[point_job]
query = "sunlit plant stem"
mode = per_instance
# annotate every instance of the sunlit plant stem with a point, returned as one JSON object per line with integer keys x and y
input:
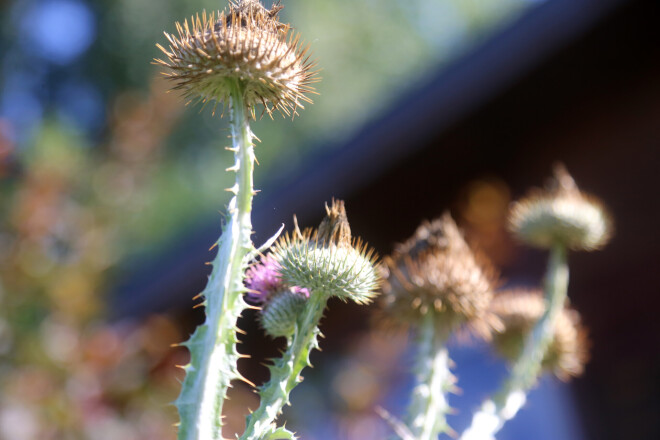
{"x": 213, "y": 345}
{"x": 326, "y": 263}
{"x": 495, "y": 412}
{"x": 429, "y": 404}
{"x": 285, "y": 371}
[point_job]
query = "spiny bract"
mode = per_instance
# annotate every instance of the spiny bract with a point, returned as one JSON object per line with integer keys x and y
{"x": 247, "y": 46}
{"x": 328, "y": 261}
{"x": 278, "y": 316}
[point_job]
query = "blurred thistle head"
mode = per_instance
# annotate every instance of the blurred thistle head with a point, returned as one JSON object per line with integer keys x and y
{"x": 435, "y": 271}
{"x": 280, "y": 303}
{"x": 328, "y": 261}
{"x": 519, "y": 310}
{"x": 246, "y": 47}
{"x": 561, "y": 215}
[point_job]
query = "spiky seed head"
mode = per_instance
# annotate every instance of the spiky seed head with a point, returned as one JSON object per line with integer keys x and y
{"x": 436, "y": 271}
{"x": 278, "y": 316}
{"x": 561, "y": 214}
{"x": 247, "y": 45}
{"x": 519, "y": 310}
{"x": 328, "y": 261}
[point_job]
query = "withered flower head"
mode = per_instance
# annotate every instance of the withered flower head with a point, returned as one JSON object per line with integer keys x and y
{"x": 561, "y": 214}
{"x": 519, "y": 310}
{"x": 328, "y": 261}
{"x": 435, "y": 271}
{"x": 248, "y": 46}
{"x": 334, "y": 228}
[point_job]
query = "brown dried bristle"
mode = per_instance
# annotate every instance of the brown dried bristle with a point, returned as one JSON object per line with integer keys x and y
{"x": 519, "y": 310}
{"x": 334, "y": 227}
{"x": 436, "y": 271}
{"x": 247, "y": 45}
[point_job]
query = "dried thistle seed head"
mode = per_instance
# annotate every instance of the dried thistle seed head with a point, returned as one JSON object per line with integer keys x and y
{"x": 328, "y": 261}
{"x": 278, "y": 316}
{"x": 519, "y": 310}
{"x": 435, "y": 271}
{"x": 247, "y": 46}
{"x": 561, "y": 214}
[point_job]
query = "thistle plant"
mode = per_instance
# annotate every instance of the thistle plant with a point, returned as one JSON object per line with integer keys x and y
{"x": 436, "y": 284}
{"x": 239, "y": 59}
{"x": 320, "y": 264}
{"x": 559, "y": 219}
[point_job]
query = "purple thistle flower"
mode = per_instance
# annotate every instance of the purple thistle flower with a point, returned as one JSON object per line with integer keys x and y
{"x": 300, "y": 290}
{"x": 263, "y": 279}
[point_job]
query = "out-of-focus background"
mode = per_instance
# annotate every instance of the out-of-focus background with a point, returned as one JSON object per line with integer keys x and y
{"x": 110, "y": 190}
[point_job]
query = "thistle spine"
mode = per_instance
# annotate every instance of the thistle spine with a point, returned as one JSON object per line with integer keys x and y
{"x": 213, "y": 354}
{"x": 285, "y": 371}
{"x": 429, "y": 404}
{"x": 495, "y": 412}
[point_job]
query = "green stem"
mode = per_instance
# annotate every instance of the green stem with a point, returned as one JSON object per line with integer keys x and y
{"x": 429, "y": 405}
{"x": 285, "y": 371}
{"x": 213, "y": 354}
{"x": 495, "y": 412}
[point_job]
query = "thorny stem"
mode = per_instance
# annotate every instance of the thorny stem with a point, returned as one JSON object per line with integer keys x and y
{"x": 213, "y": 354}
{"x": 429, "y": 404}
{"x": 285, "y": 371}
{"x": 495, "y": 412}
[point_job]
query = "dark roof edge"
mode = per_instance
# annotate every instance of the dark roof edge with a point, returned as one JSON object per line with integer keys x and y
{"x": 456, "y": 90}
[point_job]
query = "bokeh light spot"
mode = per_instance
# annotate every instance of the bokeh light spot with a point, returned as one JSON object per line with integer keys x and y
{"x": 60, "y": 30}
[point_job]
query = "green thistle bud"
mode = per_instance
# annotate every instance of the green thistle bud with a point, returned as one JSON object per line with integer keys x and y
{"x": 519, "y": 310}
{"x": 248, "y": 46}
{"x": 563, "y": 215}
{"x": 328, "y": 261}
{"x": 436, "y": 271}
{"x": 279, "y": 314}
